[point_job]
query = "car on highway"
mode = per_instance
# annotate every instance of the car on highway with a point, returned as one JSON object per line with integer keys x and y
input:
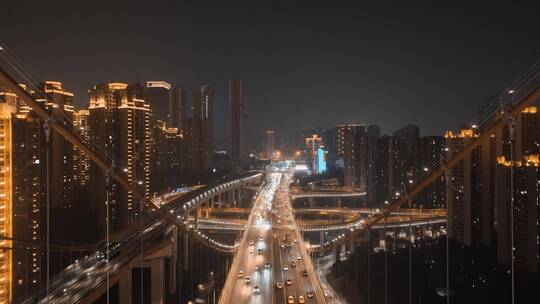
{"x": 288, "y": 282}
{"x": 295, "y": 241}
{"x": 285, "y": 267}
{"x": 261, "y": 239}
{"x": 290, "y": 300}
{"x": 279, "y": 285}
{"x": 274, "y": 236}
{"x": 251, "y": 251}
{"x": 259, "y": 251}
{"x": 251, "y": 243}
{"x": 299, "y": 258}
{"x": 112, "y": 250}
{"x": 240, "y": 274}
{"x": 309, "y": 295}
{"x": 293, "y": 264}
{"x": 256, "y": 267}
{"x": 304, "y": 273}
{"x": 256, "y": 289}
{"x": 247, "y": 280}
{"x": 301, "y": 300}
{"x": 267, "y": 265}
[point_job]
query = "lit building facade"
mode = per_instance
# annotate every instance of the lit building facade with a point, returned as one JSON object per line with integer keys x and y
{"x": 119, "y": 119}
{"x": 165, "y": 153}
{"x": 82, "y": 161}
{"x": 21, "y": 197}
{"x": 470, "y": 191}
{"x": 63, "y": 167}
{"x": 517, "y": 166}
{"x": 341, "y": 134}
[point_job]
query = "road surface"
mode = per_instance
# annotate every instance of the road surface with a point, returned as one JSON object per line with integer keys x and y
{"x": 272, "y": 237}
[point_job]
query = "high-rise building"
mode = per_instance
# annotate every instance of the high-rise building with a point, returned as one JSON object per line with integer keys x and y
{"x": 202, "y": 133}
{"x": 359, "y": 162}
{"x": 82, "y": 161}
{"x": 517, "y": 168}
{"x": 165, "y": 153}
{"x": 269, "y": 144}
{"x": 119, "y": 121}
{"x": 21, "y": 199}
{"x": 237, "y": 121}
{"x": 431, "y": 149}
{"x": 408, "y": 156}
{"x": 469, "y": 191}
{"x": 351, "y": 165}
{"x": 62, "y": 168}
{"x": 160, "y": 100}
{"x": 341, "y": 134}
{"x": 178, "y": 109}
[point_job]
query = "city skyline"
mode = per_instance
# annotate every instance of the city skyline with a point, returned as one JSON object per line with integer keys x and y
{"x": 366, "y": 55}
{"x": 285, "y": 152}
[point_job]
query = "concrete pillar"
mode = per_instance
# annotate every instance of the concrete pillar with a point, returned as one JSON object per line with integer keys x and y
{"x": 125, "y": 286}
{"x": 311, "y": 202}
{"x": 157, "y": 281}
{"x": 321, "y": 236}
{"x": 173, "y": 261}
{"x": 337, "y": 254}
{"x": 339, "y": 202}
{"x": 186, "y": 250}
{"x": 196, "y": 218}
{"x": 352, "y": 245}
{"x": 395, "y": 238}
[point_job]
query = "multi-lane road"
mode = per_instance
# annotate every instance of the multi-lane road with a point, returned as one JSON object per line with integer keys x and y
{"x": 272, "y": 264}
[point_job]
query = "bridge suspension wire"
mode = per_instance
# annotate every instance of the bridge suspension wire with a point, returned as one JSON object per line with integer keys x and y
{"x": 511, "y": 129}
{"x": 385, "y": 265}
{"x": 107, "y": 223}
{"x": 142, "y": 255}
{"x": 410, "y": 259}
{"x": 47, "y": 130}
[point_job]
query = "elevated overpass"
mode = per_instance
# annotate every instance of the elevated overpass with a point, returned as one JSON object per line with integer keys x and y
{"x": 267, "y": 240}
{"x": 145, "y": 245}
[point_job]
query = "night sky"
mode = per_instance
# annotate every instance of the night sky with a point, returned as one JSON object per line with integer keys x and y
{"x": 304, "y": 63}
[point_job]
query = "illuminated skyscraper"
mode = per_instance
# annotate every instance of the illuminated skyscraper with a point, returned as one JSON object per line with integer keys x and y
{"x": 82, "y": 161}
{"x": 202, "y": 133}
{"x": 269, "y": 144}
{"x": 165, "y": 153}
{"x": 119, "y": 121}
{"x": 62, "y": 167}
{"x": 21, "y": 197}
{"x": 237, "y": 120}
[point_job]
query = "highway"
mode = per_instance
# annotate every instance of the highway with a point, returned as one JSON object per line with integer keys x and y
{"x": 294, "y": 265}
{"x": 272, "y": 238}
{"x": 248, "y": 273}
